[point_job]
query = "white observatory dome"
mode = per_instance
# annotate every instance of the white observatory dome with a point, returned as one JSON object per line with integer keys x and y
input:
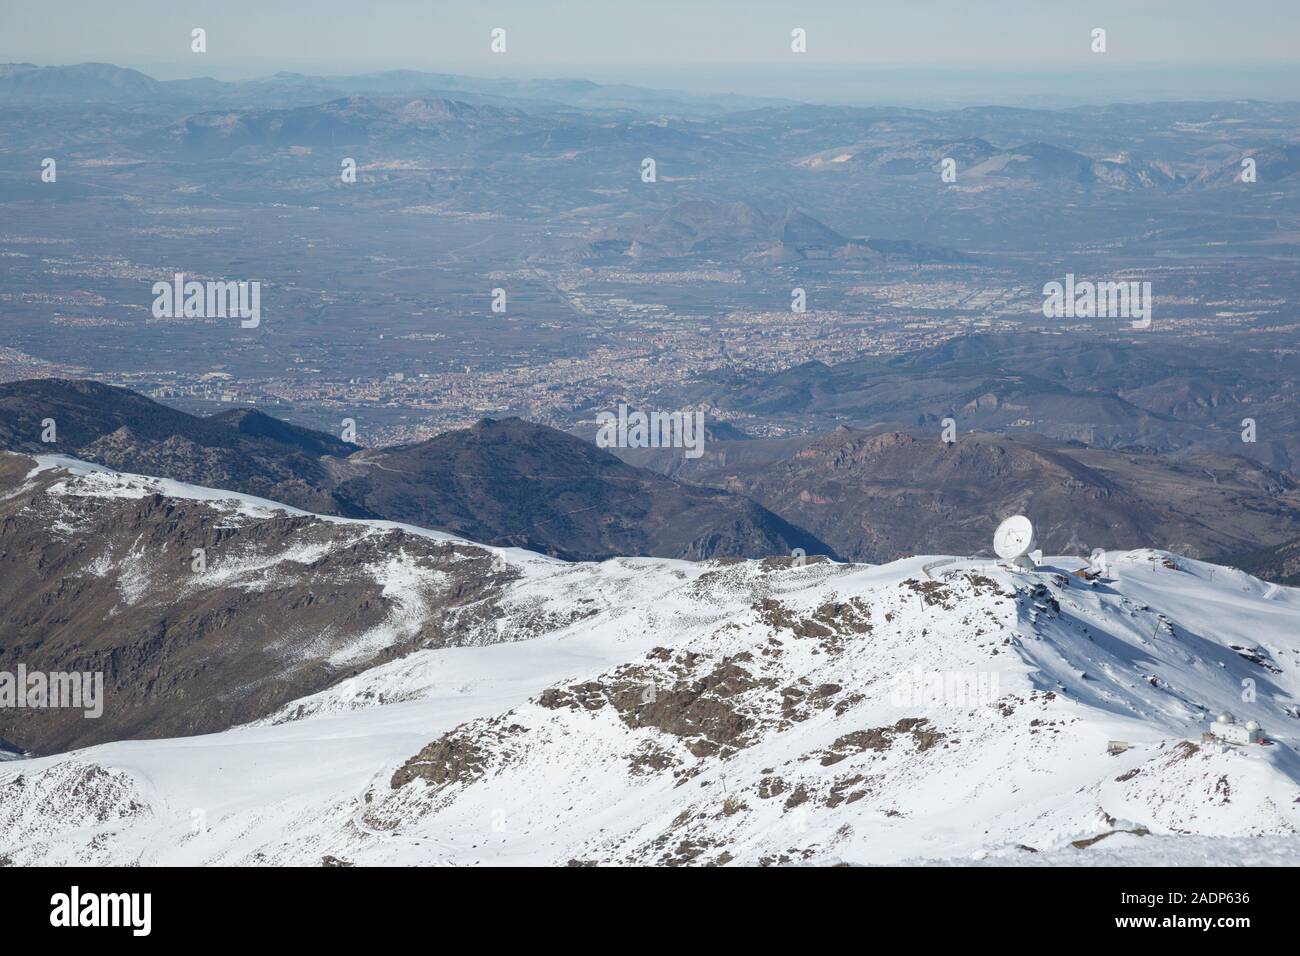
{"x": 1252, "y": 725}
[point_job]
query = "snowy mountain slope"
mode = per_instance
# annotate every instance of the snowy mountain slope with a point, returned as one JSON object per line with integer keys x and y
{"x": 806, "y": 748}
{"x": 750, "y": 712}
{"x": 206, "y": 608}
{"x": 1127, "y": 849}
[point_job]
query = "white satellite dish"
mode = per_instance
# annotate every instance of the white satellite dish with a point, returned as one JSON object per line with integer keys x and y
{"x": 1013, "y": 541}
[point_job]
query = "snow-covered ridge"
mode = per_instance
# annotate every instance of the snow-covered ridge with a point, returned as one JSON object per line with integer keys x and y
{"x": 740, "y": 712}
{"x": 86, "y": 479}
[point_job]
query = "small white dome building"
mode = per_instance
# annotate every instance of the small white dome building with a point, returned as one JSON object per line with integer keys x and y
{"x": 1227, "y": 730}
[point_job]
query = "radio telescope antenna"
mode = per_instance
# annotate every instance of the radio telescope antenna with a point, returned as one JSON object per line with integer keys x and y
{"x": 1013, "y": 541}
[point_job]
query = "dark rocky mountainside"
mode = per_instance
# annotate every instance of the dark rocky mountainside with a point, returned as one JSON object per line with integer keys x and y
{"x": 1279, "y": 564}
{"x": 98, "y": 573}
{"x": 885, "y": 492}
{"x": 511, "y": 482}
{"x": 244, "y": 451}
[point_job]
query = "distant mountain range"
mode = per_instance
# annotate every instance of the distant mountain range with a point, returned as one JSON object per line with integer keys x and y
{"x": 979, "y": 162}
{"x": 739, "y": 232}
{"x": 509, "y": 483}
{"x": 344, "y": 122}
{"x": 1119, "y": 148}
{"x": 1171, "y": 397}
{"x": 82, "y": 81}
{"x": 103, "y": 82}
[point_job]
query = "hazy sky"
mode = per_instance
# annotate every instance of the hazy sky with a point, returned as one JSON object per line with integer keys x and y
{"x": 655, "y": 42}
